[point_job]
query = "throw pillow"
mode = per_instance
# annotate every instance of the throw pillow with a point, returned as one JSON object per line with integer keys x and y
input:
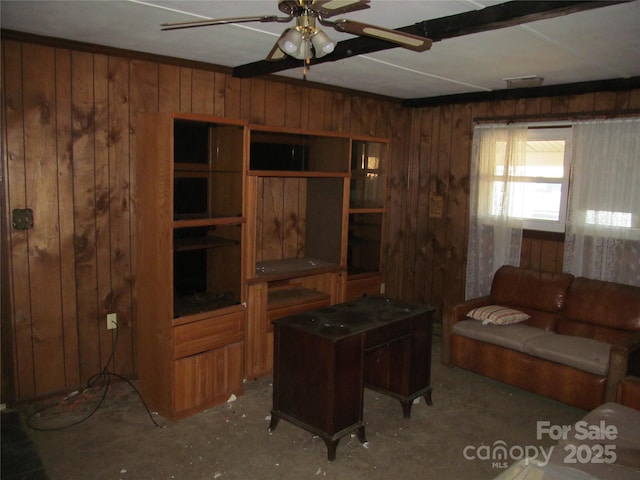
{"x": 497, "y": 315}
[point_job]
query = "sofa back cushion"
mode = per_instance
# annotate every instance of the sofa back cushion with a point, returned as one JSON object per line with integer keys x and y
{"x": 604, "y": 311}
{"x": 531, "y": 289}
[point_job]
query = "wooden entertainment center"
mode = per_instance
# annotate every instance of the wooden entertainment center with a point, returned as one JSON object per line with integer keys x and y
{"x": 238, "y": 225}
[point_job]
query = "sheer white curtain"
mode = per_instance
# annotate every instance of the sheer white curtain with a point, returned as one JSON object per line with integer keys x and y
{"x": 495, "y": 225}
{"x": 603, "y": 222}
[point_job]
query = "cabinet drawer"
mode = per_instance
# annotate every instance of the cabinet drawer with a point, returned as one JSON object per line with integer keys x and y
{"x": 282, "y": 303}
{"x": 203, "y": 335}
{"x": 359, "y": 287}
{"x": 386, "y": 334}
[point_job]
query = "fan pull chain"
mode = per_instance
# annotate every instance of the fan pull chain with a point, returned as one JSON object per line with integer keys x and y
{"x": 305, "y": 69}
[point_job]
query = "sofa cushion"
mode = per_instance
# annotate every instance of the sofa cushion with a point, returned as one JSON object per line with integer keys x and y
{"x": 511, "y": 336}
{"x": 533, "y": 289}
{"x": 498, "y": 315}
{"x": 582, "y": 353}
{"x": 604, "y": 304}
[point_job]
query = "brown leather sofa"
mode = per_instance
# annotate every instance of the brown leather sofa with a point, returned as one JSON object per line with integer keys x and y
{"x": 581, "y": 340}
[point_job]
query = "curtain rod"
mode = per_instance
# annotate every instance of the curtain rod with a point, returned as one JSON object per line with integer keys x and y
{"x": 560, "y": 116}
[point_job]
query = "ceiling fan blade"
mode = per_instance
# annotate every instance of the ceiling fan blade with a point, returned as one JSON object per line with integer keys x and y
{"x": 406, "y": 40}
{"x": 276, "y": 53}
{"x": 328, "y": 8}
{"x": 224, "y": 21}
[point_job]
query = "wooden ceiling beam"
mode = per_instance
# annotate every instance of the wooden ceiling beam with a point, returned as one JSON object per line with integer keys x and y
{"x": 494, "y": 17}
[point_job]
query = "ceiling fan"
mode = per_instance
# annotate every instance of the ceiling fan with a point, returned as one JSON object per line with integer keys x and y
{"x": 306, "y": 41}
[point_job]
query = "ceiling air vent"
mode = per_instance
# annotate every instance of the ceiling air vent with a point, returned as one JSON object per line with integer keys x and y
{"x": 524, "y": 82}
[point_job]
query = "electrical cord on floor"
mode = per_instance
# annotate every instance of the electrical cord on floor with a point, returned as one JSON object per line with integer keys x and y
{"x": 105, "y": 376}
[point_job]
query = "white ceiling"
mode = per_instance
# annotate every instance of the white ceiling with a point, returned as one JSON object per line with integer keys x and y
{"x": 598, "y": 44}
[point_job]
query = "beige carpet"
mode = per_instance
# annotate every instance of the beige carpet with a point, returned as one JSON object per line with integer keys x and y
{"x": 452, "y": 439}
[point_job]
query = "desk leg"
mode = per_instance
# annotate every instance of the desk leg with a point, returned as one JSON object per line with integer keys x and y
{"x": 406, "y": 404}
{"x": 274, "y": 422}
{"x": 406, "y": 408}
{"x": 361, "y": 435}
{"x": 427, "y": 397}
{"x": 332, "y": 445}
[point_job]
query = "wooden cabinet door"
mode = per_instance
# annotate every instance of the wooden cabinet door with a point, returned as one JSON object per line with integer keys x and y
{"x": 388, "y": 367}
{"x": 207, "y": 379}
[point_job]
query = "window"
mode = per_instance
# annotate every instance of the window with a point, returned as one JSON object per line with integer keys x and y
{"x": 519, "y": 179}
{"x": 603, "y": 221}
{"x": 538, "y": 186}
{"x": 606, "y": 183}
{"x": 609, "y": 219}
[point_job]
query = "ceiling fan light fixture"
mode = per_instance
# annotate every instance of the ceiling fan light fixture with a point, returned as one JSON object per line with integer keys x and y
{"x": 304, "y": 52}
{"x": 322, "y": 44}
{"x": 291, "y": 41}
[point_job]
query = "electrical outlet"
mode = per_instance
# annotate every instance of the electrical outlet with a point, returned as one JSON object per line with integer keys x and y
{"x": 112, "y": 321}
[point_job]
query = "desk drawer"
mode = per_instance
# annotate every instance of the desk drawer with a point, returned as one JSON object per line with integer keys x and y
{"x": 207, "y": 334}
{"x": 289, "y": 301}
{"x": 386, "y": 334}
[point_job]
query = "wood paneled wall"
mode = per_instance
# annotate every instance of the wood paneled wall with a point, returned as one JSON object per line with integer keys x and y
{"x": 286, "y": 199}
{"x": 542, "y": 251}
{"x": 427, "y": 254}
{"x": 68, "y": 143}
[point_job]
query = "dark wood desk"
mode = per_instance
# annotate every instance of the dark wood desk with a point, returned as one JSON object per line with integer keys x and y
{"x": 324, "y": 358}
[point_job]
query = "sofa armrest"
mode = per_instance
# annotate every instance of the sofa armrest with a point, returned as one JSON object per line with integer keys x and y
{"x": 629, "y": 392}
{"x": 624, "y": 360}
{"x": 455, "y": 314}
